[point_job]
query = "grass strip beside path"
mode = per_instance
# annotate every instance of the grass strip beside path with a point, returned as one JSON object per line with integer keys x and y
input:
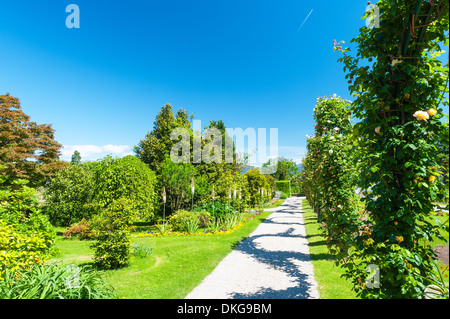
{"x": 327, "y": 274}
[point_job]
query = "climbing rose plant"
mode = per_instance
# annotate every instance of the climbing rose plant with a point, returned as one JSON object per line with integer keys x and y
{"x": 330, "y": 173}
{"x": 400, "y": 88}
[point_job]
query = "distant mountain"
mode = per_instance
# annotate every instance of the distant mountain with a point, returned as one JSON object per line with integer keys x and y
{"x": 247, "y": 168}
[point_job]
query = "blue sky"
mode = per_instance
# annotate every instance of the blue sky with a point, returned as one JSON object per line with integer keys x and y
{"x": 250, "y": 63}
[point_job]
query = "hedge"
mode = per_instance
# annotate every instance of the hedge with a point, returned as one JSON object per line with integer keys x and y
{"x": 283, "y": 186}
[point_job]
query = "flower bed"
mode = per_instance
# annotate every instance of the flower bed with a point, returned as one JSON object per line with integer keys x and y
{"x": 205, "y": 232}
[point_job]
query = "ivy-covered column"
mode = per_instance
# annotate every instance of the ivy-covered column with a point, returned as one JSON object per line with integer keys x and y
{"x": 401, "y": 88}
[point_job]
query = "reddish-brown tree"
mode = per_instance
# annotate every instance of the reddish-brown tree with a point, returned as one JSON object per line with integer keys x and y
{"x": 27, "y": 150}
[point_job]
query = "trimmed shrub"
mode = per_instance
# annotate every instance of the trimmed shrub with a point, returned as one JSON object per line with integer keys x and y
{"x": 284, "y": 196}
{"x": 284, "y": 186}
{"x": 112, "y": 232}
{"x": 181, "y": 218}
{"x": 126, "y": 177}
{"x": 26, "y": 236}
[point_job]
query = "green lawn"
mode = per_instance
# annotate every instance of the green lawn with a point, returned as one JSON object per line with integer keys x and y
{"x": 176, "y": 265}
{"x": 331, "y": 285}
{"x": 327, "y": 274}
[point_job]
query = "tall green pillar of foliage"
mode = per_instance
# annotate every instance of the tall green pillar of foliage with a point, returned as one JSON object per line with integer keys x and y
{"x": 330, "y": 173}
{"x": 400, "y": 86}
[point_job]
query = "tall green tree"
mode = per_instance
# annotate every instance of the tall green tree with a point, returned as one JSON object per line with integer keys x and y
{"x": 76, "y": 158}
{"x": 286, "y": 169}
{"x": 156, "y": 145}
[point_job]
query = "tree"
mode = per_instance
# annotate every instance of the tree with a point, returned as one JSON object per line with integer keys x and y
{"x": 176, "y": 178}
{"x": 69, "y": 196}
{"x": 126, "y": 177}
{"x": 286, "y": 168}
{"x": 156, "y": 145}
{"x": 256, "y": 182}
{"x": 155, "y": 150}
{"x": 28, "y": 150}
{"x": 82, "y": 191}
{"x": 76, "y": 158}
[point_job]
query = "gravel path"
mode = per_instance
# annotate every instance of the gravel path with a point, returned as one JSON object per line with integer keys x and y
{"x": 272, "y": 263}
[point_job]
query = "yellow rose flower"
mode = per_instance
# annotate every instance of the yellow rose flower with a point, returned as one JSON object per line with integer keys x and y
{"x": 432, "y": 178}
{"x": 421, "y": 116}
{"x": 432, "y": 112}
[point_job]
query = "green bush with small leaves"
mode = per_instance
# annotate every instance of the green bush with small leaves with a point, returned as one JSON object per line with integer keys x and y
{"x": 283, "y": 186}
{"x": 20, "y": 251}
{"x": 112, "y": 232}
{"x": 182, "y": 218}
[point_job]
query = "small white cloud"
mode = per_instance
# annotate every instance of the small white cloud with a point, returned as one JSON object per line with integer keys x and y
{"x": 116, "y": 149}
{"x": 94, "y": 152}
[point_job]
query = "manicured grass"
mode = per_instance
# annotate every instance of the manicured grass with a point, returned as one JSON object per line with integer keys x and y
{"x": 176, "y": 265}
{"x": 331, "y": 285}
{"x": 444, "y": 221}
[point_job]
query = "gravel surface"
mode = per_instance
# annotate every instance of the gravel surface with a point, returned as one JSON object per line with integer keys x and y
{"x": 272, "y": 263}
{"x": 442, "y": 253}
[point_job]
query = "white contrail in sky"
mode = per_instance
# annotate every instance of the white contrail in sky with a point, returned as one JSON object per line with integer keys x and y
{"x": 304, "y": 21}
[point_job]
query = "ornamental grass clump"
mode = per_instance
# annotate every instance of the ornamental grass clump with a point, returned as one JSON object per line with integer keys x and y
{"x": 55, "y": 282}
